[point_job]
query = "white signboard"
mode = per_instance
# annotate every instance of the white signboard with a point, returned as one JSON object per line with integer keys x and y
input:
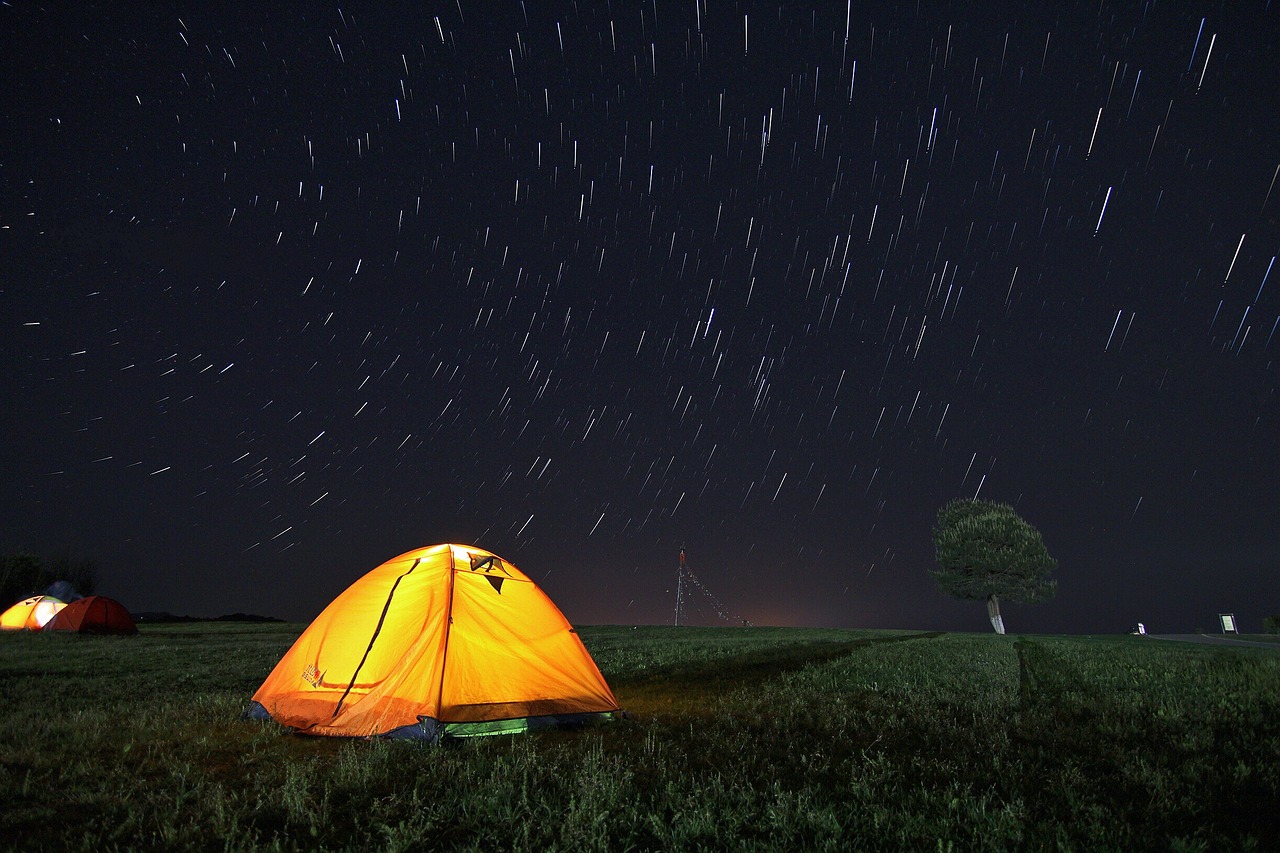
{"x": 1228, "y": 623}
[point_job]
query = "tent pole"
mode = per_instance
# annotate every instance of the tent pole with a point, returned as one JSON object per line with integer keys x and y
{"x": 376, "y": 631}
{"x": 448, "y": 629}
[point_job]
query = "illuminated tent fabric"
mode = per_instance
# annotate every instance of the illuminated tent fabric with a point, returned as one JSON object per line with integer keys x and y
{"x": 96, "y": 614}
{"x": 31, "y": 613}
{"x": 445, "y": 641}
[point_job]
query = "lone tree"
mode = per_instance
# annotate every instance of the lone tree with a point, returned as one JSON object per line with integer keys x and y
{"x": 986, "y": 550}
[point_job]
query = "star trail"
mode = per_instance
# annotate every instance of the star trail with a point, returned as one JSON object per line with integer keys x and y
{"x": 287, "y": 292}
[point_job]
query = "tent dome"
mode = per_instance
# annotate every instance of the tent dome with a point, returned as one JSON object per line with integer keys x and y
{"x": 443, "y": 641}
{"x": 30, "y": 614}
{"x": 95, "y": 614}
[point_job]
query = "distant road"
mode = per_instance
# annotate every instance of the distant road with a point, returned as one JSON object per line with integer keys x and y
{"x": 1216, "y": 640}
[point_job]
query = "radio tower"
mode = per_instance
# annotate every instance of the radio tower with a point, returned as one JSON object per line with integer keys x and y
{"x": 686, "y": 576}
{"x": 680, "y": 588}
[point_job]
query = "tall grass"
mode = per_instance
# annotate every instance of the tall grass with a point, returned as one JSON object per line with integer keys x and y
{"x": 752, "y": 738}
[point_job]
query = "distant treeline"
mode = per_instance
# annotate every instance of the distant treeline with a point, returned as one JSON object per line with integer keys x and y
{"x": 230, "y": 617}
{"x": 23, "y": 574}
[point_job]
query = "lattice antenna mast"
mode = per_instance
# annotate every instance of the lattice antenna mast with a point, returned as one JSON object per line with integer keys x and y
{"x": 680, "y": 572}
{"x": 684, "y": 575}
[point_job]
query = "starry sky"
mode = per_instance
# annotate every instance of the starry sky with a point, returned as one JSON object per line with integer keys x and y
{"x": 289, "y": 289}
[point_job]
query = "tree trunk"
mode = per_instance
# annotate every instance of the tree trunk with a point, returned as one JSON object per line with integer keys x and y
{"x": 993, "y": 613}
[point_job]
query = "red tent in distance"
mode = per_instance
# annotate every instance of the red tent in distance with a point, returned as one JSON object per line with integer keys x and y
{"x": 96, "y": 614}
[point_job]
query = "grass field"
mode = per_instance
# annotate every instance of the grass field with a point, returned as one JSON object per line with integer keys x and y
{"x": 738, "y": 738}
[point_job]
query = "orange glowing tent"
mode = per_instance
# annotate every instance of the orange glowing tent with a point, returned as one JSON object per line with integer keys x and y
{"x": 31, "y": 613}
{"x": 96, "y": 614}
{"x": 445, "y": 641}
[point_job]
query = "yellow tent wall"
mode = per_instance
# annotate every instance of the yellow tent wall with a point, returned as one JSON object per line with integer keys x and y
{"x": 30, "y": 613}
{"x": 434, "y": 641}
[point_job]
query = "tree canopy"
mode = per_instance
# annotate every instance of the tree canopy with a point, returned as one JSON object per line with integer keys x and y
{"x": 23, "y": 574}
{"x": 985, "y": 550}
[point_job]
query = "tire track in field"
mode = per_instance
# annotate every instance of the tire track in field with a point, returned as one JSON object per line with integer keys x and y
{"x": 696, "y": 682}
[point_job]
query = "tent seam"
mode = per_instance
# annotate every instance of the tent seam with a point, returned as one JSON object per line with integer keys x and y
{"x": 448, "y": 629}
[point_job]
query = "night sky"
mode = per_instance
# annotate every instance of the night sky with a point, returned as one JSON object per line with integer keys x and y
{"x": 289, "y": 290}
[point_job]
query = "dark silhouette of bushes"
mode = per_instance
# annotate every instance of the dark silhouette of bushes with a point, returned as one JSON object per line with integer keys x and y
{"x": 23, "y": 574}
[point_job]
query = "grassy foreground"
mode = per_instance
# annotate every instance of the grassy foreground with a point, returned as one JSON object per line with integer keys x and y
{"x": 739, "y": 738}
